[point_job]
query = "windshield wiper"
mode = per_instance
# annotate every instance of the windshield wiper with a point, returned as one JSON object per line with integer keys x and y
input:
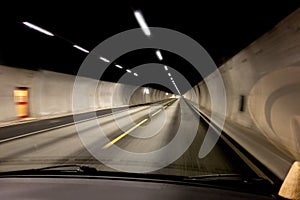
{"x": 236, "y": 181}
{"x": 225, "y": 176}
{"x": 228, "y": 177}
{"x": 213, "y": 176}
{"x": 80, "y": 169}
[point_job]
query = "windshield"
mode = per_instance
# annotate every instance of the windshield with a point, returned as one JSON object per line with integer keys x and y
{"x": 173, "y": 88}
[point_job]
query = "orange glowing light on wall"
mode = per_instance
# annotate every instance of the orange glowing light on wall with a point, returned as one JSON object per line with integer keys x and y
{"x": 21, "y": 102}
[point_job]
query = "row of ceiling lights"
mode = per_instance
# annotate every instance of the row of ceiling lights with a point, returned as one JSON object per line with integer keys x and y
{"x": 139, "y": 17}
{"x": 32, "y": 26}
{"x": 145, "y": 29}
{"x": 116, "y": 65}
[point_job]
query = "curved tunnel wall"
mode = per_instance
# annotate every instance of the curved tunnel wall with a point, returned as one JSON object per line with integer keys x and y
{"x": 51, "y": 93}
{"x": 262, "y": 84}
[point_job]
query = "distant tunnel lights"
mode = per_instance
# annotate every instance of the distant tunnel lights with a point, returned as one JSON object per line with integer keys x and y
{"x": 139, "y": 17}
{"x": 127, "y": 70}
{"x": 146, "y": 91}
{"x": 38, "y": 28}
{"x": 177, "y": 88}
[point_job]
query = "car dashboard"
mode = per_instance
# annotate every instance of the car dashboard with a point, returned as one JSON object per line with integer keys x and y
{"x": 59, "y": 188}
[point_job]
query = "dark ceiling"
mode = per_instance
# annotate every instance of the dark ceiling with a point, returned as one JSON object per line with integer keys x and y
{"x": 223, "y": 28}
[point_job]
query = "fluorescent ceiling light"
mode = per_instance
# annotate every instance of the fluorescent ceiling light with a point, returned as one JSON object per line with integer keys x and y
{"x": 139, "y": 17}
{"x": 80, "y": 48}
{"x": 167, "y": 93}
{"x": 119, "y": 66}
{"x": 177, "y": 88}
{"x": 146, "y": 91}
{"x": 159, "y": 55}
{"x": 166, "y": 68}
{"x": 104, "y": 59}
{"x": 129, "y": 71}
{"x": 135, "y": 74}
{"x": 38, "y": 28}
{"x": 169, "y": 74}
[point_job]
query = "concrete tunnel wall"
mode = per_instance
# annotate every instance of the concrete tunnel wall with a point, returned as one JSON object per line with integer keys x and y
{"x": 51, "y": 93}
{"x": 267, "y": 75}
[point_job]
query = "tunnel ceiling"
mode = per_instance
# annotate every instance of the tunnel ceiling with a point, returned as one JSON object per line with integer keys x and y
{"x": 221, "y": 27}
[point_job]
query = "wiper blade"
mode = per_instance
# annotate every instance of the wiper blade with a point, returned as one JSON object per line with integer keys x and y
{"x": 213, "y": 176}
{"x": 80, "y": 169}
{"x": 77, "y": 168}
{"x": 234, "y": 181}
{"x": 227, "y": 177}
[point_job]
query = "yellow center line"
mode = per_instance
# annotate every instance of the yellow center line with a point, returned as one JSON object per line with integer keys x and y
{"x": 156, "y": 113}
{"x": 124, "y": 134}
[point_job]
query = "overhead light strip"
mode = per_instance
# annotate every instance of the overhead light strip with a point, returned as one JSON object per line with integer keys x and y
{"x": 30, "y": 25}
{"x": 80, "y": 48}
{"x": 119, "y": 66}
{"x": 139, "y": 17}
{"x": 158, "y": 54}
{"x": 104, "y": 59}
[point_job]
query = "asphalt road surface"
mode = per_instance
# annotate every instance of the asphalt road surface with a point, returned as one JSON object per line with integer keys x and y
{"x": 160, "y": 138}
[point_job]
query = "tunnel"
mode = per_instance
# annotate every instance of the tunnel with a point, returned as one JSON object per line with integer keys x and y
{"x": 127, "y": 108}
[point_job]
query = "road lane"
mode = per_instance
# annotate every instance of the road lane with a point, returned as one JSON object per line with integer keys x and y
{"x": 18, "y": 130}
{"x": 64, "y": 146}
